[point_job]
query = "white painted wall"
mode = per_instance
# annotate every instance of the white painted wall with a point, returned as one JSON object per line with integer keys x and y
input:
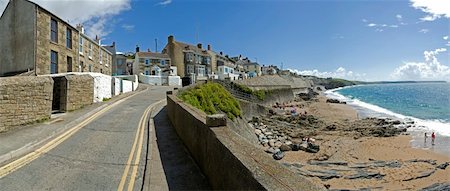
{"x": 102, "y": 86}
{"x": 116, "y": 86}
{"x": 127, "y": 86}
{"x": 174, "y": 81}
{"x": 152, "y": 80}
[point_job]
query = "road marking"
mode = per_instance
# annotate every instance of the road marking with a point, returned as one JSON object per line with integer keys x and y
{"x": 138, "y": 138}
{"x": 24, "y": 160}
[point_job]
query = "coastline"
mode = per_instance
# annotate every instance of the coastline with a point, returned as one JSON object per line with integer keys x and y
{"x": 352, "y": 155}
{"x": 416, "y": 133}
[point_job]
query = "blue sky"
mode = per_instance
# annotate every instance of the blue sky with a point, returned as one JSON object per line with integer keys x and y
{"x": 367, "y": 40}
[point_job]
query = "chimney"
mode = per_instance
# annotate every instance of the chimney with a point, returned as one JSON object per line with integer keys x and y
{"x": 148, "y": 50}
{"x": 137, "y": 48}
{"x": 97, "y": 39}
{"x": 114, "y": 44}
{"x": 80, "y": 28}
{"x": 199, "y": 45}
{"x": 209, "y": 47}
{"x": 170, "y": 39}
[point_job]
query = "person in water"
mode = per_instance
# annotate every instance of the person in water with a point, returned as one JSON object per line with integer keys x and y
{"x": 433, "y": 136}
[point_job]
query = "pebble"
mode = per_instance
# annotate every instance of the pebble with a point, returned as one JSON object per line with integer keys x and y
{"x": 258, "y": 132}
{"x": 278, "y": 144}
{"x": 272, "y": 143}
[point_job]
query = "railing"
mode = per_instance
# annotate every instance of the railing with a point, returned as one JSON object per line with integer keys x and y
{"x": 237, "y": 93}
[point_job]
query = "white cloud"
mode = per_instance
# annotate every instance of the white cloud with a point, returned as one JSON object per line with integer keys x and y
{"x": 430, "y": 69}
{"x": 3, "y": 4}
{"x": 128, "y": 27}
{"x": 433, "y": 8}
{"x": 96, "y": 15}
{"x": 372, "y": 25}
{"x": 445, "y": 37}
{"x": 365, "y": 20}
{"x": 338, "y": 73}
{"x": 165, "y": 2}
{"x": 394, "y": 26}
{"x": 379, "y": 30}
{"x": 424, "y": 31}
{"x": 399, "y": 17}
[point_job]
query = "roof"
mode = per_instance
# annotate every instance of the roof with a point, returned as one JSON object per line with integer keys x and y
{"x": 251, "y": 63}
{"x": 152, "y": 55}
{"x": 187, "y": 47}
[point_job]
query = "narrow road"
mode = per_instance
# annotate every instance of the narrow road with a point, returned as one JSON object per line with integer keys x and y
{"x": 100, "y": 155}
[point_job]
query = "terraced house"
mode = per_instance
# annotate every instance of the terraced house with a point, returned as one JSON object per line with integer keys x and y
{"x": 191, "y": 61}
{"x": 35, "y": 41}
{"x": 151, "y": 63}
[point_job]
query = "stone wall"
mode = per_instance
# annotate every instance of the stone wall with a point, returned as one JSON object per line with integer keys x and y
{"x": 45, "y": 45}
{"x": 228, "y": 160}
{"x": 80, "y": 91}
{"x": 24, "y": 100}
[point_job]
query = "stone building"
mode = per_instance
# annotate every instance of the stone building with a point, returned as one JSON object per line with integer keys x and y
{"x": 253, "y": 69}
{"x": 151, "y": 63}
{"x": 35, "y": 40}
{"x": 191, "y": 61}
{"x": 222, "y": 66}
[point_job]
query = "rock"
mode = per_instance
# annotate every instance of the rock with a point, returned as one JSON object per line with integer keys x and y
{"x": 251, "y": 125}
{"x": 331, "y": 127}
{"x": 335, "y": 101}
{"x": 432, "y": 162}
{"x": 270, "y": 150}
{"x": 309, "y": 147}
{"x": 267, "y": 133}
{"x": 288, "y": 143}
{"x": 298, "y": 165}
{"x": 258, "y": 132}
{"x": 394, "y": 164}
{"x": 264, "y": 142}
{"x": 295, "y": 147}
{"x": 278, "y": 155}
{"x": 443, "y": 166}
{"x": 326, "y": 163}
{"x": 272, "y": 143}
{"x": 365, "y": 175}
{"x": 422, "y": 175}
{"x": 437, "y": 187}
{"x": 216, "y": 120}
{"x": 284, "y": 147}
{"x": 278, "y": 144}
{"x": 322, "y": 174}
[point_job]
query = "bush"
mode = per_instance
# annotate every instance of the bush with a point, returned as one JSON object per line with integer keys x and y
{"x": 212, "y": 98}
{"x": 260, "y": 94}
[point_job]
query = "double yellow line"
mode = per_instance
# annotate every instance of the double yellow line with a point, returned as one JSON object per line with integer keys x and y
{"x": 19, "y": 163}
{"x": 139, "y": 138}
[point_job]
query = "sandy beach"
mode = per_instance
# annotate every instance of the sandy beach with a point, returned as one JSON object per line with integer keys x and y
{"x": 353, "y": 154}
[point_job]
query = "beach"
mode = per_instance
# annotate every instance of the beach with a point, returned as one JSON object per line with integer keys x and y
{"x": 357, "y": 153}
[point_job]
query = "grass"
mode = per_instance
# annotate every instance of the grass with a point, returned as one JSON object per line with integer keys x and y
{"x": 212, "y": 98}
{"x": 106, "y": 99}
{"x": 260, "y": 94}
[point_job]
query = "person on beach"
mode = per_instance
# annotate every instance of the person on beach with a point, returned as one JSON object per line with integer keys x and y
{"x": 433, "y": 136}
{"x": 425, "y": 137}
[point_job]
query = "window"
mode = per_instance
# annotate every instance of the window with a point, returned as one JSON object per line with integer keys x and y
{"x": 54, "y": 31}
{"x": 69, "y": 64}
{"x": 147, "y": 62}
{"x": 53, "y": 62}
{"x": 163, "y": 62}
{"x": 101, "y": 70}
{"x": 147, "y": 72}
{"x": 190, "y": 69}
{"x": 90, "y": 67}
{"x": 68, "y": 38}
{"x": 201, "y": 70}
{"x": 81, "y": 45}
{"x": 226, "y": 70}
{"x": 90, "y": 50}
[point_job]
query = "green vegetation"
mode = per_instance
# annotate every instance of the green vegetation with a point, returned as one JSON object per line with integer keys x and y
{"x": 260, "y": 94}
{"x": 212, "y": 98}
{"x": 106, "y": 99}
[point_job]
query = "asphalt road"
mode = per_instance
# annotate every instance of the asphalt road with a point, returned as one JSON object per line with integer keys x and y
{"x": 96, "y": 156}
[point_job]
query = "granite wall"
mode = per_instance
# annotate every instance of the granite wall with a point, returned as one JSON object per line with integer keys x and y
{"x": 24, "y": 100}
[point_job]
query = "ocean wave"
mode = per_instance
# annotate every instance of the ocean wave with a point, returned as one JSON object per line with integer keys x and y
{"x": 439, "y": 126}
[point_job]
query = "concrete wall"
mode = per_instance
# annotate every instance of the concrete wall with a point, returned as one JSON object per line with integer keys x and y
{"x": 24, "y": 100}
{"x": 17, "y": 32}
{"x": 228, "y": 160}
{"x": 80, "y": 91}
{"x": 117, "y": 86}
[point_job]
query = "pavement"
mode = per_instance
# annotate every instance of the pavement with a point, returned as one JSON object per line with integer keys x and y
{"x": 101, "y": 147}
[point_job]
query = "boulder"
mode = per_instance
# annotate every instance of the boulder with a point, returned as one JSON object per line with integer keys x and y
{"x": 272, "y": 143}
{"x": 278, "y": 155}
{"x": 258, "y": 132}
{"x": 285, "y": 147}
{"x": 278, "y": 144}
{"x": 443, "y": 166}
{"x": 295, "y": 147}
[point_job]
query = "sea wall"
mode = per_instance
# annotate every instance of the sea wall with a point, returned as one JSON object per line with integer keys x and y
{"x": 24, "y": 100}
{"x": 228, "y": 160}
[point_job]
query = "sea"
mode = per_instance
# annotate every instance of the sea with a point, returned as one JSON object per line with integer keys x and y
{"x": 427, "y": 104}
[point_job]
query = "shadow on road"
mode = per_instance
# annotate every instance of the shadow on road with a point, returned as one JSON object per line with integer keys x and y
{"x": 182, "y": 173}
